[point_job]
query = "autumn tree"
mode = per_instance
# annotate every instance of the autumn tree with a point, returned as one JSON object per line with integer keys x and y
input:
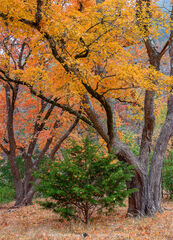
{"x": 90, "y": 45}
{"x": 32, "y": 138}
{"x": 29, "y": 126}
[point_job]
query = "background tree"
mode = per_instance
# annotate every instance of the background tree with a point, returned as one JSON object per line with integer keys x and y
{"x": 26, "y": 127}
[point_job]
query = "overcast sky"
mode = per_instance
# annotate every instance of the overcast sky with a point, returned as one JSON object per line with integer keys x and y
{"x": 165, "y": 3}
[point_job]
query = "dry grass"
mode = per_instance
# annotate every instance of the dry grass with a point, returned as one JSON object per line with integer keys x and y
{"x": 34, "y": 223}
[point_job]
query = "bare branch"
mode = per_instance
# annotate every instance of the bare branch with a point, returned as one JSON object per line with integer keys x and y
{"x": 40, "y": 95}
{"x": 20, "y": 65}
{"x": 165, "y": 48}
{"x": 38, "y": 15}
{"x": 116, "y": 89}
{"x": 63, "y": 138}
{"x": 9, "y": 52}
{"x": 5, "y": 150}
{"x": 94, "y": 118}
{"x": 28, "y": 22}
{"x": 109, "y": 114}
{"x": 129, "y": 102}
{"x": 47, "y": 145}
{"x": 37, "y": 130}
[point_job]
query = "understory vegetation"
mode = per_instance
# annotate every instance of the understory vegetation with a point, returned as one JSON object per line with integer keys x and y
{"x": 85, "y": 181}
{"x": 77, "y": 158}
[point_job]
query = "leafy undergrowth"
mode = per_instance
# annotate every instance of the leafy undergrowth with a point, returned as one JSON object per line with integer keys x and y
{"x": 34, "y": 223}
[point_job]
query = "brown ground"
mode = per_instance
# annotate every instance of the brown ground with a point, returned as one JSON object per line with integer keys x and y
{"x": 34, "y": 223}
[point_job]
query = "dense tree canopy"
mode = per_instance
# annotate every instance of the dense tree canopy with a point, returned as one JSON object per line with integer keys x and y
{"x": 77, "y": 42}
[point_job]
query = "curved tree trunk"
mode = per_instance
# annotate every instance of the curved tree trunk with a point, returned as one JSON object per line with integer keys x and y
{"x": 162, "y": 142}
{"x": 139, "y": 203}
{"x": 147, "y": 200}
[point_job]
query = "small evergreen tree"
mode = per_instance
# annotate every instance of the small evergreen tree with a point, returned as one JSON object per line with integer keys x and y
{"x": 84, "y": 182}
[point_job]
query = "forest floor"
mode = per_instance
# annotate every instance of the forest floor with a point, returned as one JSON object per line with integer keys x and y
{"x": 34, "y": 223}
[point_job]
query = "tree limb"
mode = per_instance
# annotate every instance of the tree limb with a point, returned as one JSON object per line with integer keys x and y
{"x": 46, "y": 99}
{"x": 109, "y": 114}
{"x": 4, "y": 149}
{"x": 62, "y": 138}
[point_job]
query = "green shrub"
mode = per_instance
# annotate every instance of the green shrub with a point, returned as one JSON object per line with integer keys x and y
{"x": 7, "y": 191}
{"x": 167, "y": 175}
{"x": 6, "y": 178}
{"x": 84, "y": 182}
{"x": 7, "y": 194}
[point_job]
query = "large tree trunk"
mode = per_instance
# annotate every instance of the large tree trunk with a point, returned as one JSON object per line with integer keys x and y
{"x": 19, "y": 190}
{"x": 148, "y": 198}
{"x": 162, "y": 142}
{"x": 140, "y": 203}
{"x": 22, "y": 189}
{"x": 24, "y": 196}
{"x": 26, "y": 191}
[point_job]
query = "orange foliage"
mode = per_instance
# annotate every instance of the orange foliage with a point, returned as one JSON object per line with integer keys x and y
{"x": 106, "y": 33}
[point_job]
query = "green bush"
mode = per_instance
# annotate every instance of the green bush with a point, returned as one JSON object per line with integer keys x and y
{"x": 7, "y": 191}
{"x": 86, "y": 181}
{"x": 7, "y": 194}
{"x": 6, "y": 178}
{"x": 167, "y": 175}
